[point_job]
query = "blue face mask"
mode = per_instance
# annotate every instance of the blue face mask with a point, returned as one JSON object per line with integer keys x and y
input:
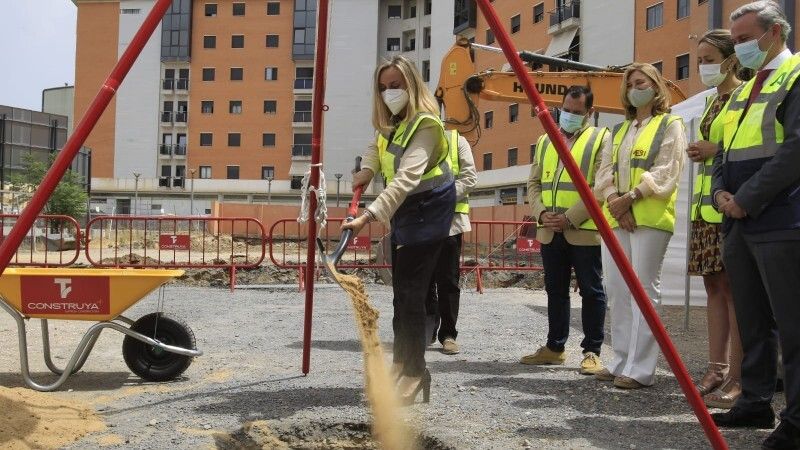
{"x": 750, "y": 55}
{"x": 570, "y": 122}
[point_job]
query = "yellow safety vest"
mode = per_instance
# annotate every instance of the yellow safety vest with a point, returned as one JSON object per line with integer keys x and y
{"x": 702, "y": 201}
{"x": 759, "y": 134}
{"x": 651, "y": 212}
{"x": 452, "y": 141}
{"x": 558, "y": 195}
{"x": 389, "y": 154}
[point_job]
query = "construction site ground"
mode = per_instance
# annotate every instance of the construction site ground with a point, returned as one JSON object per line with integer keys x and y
{"x": 247, "y": 390}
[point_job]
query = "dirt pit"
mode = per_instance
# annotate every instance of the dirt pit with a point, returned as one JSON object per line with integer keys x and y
{"x": 42, "y": 420}
{"x": 310, "y": 436}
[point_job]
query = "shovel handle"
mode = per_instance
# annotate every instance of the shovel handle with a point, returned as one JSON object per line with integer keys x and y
{"x": 353, "y": 208}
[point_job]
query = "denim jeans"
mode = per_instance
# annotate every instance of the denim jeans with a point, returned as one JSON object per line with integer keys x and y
{"x": 559, "y": 257}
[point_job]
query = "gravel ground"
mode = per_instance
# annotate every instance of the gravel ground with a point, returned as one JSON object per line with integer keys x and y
{"x": 481, "y": 398}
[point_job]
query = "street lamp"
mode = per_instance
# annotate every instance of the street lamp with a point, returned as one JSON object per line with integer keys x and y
{"x": 338, "y": 179}
{"x": 136, "y": 176}
{"x": 269, "y": 190}
{"x": 191, "y": 193}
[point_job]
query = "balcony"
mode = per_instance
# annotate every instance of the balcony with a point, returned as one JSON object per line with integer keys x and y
{"x": 303, "y": 83}
{"x": 182, "y": 84}
{"x": 178, "y": 182}
{"x": 164, "y": 182}
{"x": 167, "y": 84}
{"x": 301, "y": 118}
{"x": 166, "y": 117}
{"x": 179, "y": 150}
{"x": 181, "y": 117}
{"x": 165, "y": 150}
{"x": 565, "y": 17}
{"x": 301, "y": 151}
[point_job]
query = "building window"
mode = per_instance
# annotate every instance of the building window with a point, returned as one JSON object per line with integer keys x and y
{"x": 234, "y": 139}
{"x": 208, "y": 73}
{"x": 205, "y": 172}
{"x": 426, "y": 71}
{"x": 393, "y": 44}
{"x": 296, "y": 182}
{"x": 426, "y": 37}
{"x": 515, "y": 23}
{"x": 206, "y": 139}
{"x": 489, "y": 37}
{"x": 207, "y": 107}
{"x": 538, "y": 13}
{"x": 237, "y": 41}
{"x": 130, "y": 11}
{"x": 268, "y": 140}
{"x": 682, "y": 67}
{"x": 512, "y": 157}
{"x": 513, "y": 113}
{"x": 302, "y": 111}
{"x": 395, "y": 11}
{"x": 304, "y": 29}
{"x": 488, "y": 119}
{"x": 209, "y": 42}
{"x": 655, "y": 16}
{"x": 659, "y": 66}
{"x": 273, "y": 8}
{"x": 428, "y": 7}
{"x": 235, "y": 107}
{"x": 267, "y": 172}
{"x": 271, "y": 73}
{"x": 270, "y": 106}
{"x": 487, "y": 161}
{"x": 683, "y": 9}
{"x": 302, "y": 144}
{"x": 237, "y": 74}
{"x": 303, "y": 77}
{"x": 272, "y": 40}
{"x": 211, "y": 9}
{"x": 233, "y": 172}
{"x": 238, "y": 9}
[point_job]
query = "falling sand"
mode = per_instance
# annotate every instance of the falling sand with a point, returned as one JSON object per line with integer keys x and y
{"x": 388, "y": 427}
{"x": 32, "y": 419}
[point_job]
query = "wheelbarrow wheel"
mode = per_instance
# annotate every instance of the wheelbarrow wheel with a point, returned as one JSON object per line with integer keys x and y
{"x": 152, "y": 363}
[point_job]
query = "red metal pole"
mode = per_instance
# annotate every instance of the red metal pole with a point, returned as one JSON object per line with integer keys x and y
{"x": 82, "y": 130}
{"x": 321, "y": 50}
{"x": 639, "y": 294}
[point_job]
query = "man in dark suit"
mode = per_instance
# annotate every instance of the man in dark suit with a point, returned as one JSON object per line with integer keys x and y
{"x": 756, "y": 185}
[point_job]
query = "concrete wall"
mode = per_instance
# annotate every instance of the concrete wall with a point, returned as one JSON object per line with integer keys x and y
{"x": 137, "y": 99}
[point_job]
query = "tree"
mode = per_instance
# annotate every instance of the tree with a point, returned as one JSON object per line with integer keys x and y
{"x": 69, "y": 197}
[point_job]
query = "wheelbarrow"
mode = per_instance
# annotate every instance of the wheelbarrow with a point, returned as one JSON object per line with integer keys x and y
{"x": 156, "y": 347}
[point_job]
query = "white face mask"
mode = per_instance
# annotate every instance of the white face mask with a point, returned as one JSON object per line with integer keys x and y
{"x": 711, "y": 74}
{"x": 395, "y": 99}
{"x": 641, "y": 97}
{"x": 750, "y": 54}
{"x": 570, "y": 122}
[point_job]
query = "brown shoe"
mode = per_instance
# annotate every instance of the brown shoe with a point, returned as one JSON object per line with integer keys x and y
{"x": 725, "y": 396}
{"x": 627, "y": 383}
{"x": 713, "y": 378}
{"x": 450, "y": 347}
{"x": 604, "y": 375}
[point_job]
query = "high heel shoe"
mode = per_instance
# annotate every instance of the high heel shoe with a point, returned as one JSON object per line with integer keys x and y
{"x": 424, "y": 385}
{"x": 713, "y": 378}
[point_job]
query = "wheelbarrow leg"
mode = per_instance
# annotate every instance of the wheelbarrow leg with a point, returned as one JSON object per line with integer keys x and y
{"x": 46, "y": 350}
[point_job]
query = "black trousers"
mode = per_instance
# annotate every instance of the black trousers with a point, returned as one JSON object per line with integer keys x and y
{"x": 765, "y": 281}
{"x": 445, "y": 291}
{"x": 413, "y": 268}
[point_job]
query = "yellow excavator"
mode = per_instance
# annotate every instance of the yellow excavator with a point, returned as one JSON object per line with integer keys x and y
{"x": 460, "y": 88}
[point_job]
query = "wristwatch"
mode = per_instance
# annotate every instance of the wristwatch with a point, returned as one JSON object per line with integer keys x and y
{"x": 632, "y": 194}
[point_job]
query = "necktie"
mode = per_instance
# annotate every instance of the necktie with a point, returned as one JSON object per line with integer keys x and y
{"x": 759, "y": 83}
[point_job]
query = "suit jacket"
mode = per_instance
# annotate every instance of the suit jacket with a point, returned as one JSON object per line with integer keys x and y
{"x": 576, "y": 214}
{"x": 777, "y": 177}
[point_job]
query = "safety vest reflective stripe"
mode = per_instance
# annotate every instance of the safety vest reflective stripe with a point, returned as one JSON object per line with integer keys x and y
{"x": 390, "y": 153}
{"x": 462, "y": 206}
{"x": 758, "y": 134}
{"x": 702, "y": 202}
{"x": 651, "y": 212}
{"x": 559, "y": 193}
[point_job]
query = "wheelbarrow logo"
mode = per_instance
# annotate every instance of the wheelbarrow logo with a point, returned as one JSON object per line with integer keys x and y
{"x": 64, "y": 283}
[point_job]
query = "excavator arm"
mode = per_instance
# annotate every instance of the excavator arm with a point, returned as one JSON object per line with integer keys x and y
{"x": 460, "y": 88}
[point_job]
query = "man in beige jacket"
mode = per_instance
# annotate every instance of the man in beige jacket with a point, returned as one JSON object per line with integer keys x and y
{"x": 569, "y": 238}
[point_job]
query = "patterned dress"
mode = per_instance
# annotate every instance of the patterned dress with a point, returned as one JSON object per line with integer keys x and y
{"x": 706, "y": 239}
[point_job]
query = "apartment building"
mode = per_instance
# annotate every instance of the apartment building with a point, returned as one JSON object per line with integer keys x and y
{"x": 667, "y": 33}
{"x": 575, "y": 30}
{"x": 218, "y": 105}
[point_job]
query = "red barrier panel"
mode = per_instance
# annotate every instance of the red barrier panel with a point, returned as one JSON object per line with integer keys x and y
{"x": 52, "y": 241}
{"x": 176, "y": 242}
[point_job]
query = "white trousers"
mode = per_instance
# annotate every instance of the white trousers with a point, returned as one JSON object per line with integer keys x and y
{"x": 635, "y": 348}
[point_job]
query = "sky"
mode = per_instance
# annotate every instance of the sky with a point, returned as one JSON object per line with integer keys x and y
{"x": 37, "y": 49}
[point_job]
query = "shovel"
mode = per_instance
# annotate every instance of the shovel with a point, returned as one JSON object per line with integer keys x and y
{"x": 330, "y": 260}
